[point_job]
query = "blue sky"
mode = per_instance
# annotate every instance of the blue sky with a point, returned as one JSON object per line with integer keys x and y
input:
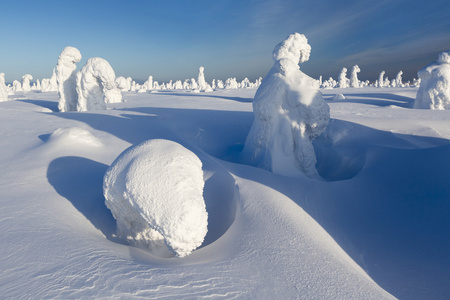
{"x": 235, "y": 38}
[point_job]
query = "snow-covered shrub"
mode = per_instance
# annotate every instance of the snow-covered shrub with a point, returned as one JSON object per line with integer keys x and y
{"x": 434, "y": 90}
{"x": 220, "y": 84}
{"x": 96, "y": 85}
{"x": 231, "y": 83}
{"x": 289, "y": 113}
{"x": 343, "y": 80}
{"x": 155, "y": 192}
{"x": 66, "y": 77}
{"x": 354, "y": 82}
{"x": 178, "y": 85}
{"x": 26, "y": 87}
{"x": 3, "y": 88}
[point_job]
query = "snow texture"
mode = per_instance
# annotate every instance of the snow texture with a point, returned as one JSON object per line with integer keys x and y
{"x": 155, "y": 192}
{"x": 289, "y": 113}
{"x": 66, "y": 78}
{"x": 434, "y": 90}
{"x": 3, "y": 88}
{"x": 96, "y": 85}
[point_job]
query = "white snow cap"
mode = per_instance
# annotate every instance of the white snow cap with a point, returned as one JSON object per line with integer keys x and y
{"x": 155, "y": 192}
{"x": 434, "y": 90}
{"x": 289, "y": 113}
{"x": 96, "y": 85}
{"x": 3, "y": 88}
{"x": 295, "y": 47}
{"x": 66, "y": 78}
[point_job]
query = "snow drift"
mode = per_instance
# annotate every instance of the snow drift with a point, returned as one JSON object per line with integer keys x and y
{"x": 155, "y": 192}
{"x": 96, "y": 85}
{"x": 66, "y": 78}
{"x": 434, "y": 90}
{"x": 289, "y": 113}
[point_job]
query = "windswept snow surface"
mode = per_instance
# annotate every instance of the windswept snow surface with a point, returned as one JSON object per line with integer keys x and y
{"x": 376, "y": 226}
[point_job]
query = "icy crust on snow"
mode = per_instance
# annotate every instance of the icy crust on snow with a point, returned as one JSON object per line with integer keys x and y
{"x": 434, "y": 90}
{"x": 66, "y": 78}
{"x": 3, "y": 88}
{"x": 289, "y": 113}
{"x": 155, "y": 192}
{"x": 96, "y": 85}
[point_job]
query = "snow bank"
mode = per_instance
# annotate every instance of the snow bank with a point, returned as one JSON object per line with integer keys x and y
{"x": 289, "y": 113}
{"x": 66, "y": 78}
{"x": 3, "y": 88}
{"x": 96, "y": 85}
{"x": 434, "y": 90}
{"x": 155, "y": 192}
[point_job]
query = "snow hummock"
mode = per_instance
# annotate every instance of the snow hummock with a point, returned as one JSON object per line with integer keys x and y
{"x": 155, "y": 192}
{"x": 289, "y": 113}
{"x": 338, "y": 97}
{"x": 96, "y": 85}
{"x": 434, "y": 90}
{"x": 3, "y": 88}
{"x": 66, "y": 78}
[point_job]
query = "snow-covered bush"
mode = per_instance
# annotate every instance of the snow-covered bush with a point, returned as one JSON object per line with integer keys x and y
{"x": 66, "y": 77}
{"x": 155, "y": 192}
{"x": 343, "y": 80}
{"x": 96, "y": 85}
{"x": 26, "y": 87}
{"x": 3, "y": 88}
{"x": 289, "y": 113}
{"x": 434, "y": 90}
{"x": 354, "y": 82}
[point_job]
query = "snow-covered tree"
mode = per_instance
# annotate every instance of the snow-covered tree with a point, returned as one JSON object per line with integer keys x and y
{"x": 155, "y": 192}
{"x": 289, "y": 113}
{"x": 26, "y": 87}
{"x": 231, "y": 83}
{"x": 96, "y": 85}
{"x": 380, "y": 82}
{"x": 122, "y": 83}
{"x": 354, "y": 82}
{"x": 149, "y": 83}
{"x": 220, "y": 84}
{"x": 178, "y": 85}
{"x": 343, "y": 80}
{"x": 398, "y": 79}
{"x": 66, "y": 77}
{"x": 434, "y": 90}
{"x": 17, "y": 86}
{"x": 202, "y": 85}
{"x": 3, "y": 88}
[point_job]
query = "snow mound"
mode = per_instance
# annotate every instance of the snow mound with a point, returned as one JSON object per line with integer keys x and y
{"x": 338, "y": 97}
{"x": 74, "y": 134}
{"x": 155, "y": 192}
{"x": 434, "y": 90}
{"x": 289, "y": 113}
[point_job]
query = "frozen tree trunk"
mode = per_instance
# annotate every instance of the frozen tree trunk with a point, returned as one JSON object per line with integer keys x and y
{"x": 96, "y": 85}
{"x": 66, "y": 78}
{"x": 289, "y": 113}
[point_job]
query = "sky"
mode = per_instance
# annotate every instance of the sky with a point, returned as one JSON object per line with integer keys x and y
{"x": 170, "y": 40}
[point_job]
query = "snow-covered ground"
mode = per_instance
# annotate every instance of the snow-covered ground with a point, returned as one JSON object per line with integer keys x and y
{"x": 377, "y": 226}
